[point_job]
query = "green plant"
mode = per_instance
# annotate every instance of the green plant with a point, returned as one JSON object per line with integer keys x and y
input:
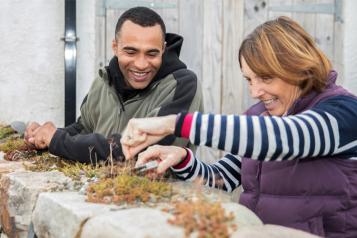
{"x": 126, "y": 188}
{"x": 207, "y": 218}
{"x": 5, "y": 131}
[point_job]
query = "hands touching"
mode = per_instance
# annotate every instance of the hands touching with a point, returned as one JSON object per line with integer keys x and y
{"x": 39, "y": 136}
{"x": 167, "y": 156}
{"x": 142, "y": 132}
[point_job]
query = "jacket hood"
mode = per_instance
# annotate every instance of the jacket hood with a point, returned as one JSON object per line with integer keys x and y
{"x": 170, "y": 63}
{"x": 170, "y": 58}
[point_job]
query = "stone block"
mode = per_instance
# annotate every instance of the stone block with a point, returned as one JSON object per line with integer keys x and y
{"x": 271, "y": 231}
{"x": 10, "y": 166}
{"x": 18, "y": 196}
{"x": 67, "y": 214}
{"x": 63, "y": 214}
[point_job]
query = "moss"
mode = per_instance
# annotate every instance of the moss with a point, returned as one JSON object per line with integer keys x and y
{"x": 75, "y": 170}
{"x": 5, "y": 131}
{"x": 207, "y": 218}
{"x": 128, "y": 188}
{"x": 13, "y": 144}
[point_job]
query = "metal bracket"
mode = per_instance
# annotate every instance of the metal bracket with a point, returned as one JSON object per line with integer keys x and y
{"x": 324, "y": 8}
{"x": 69, "y": 39}
{"x": 126, "y": 4}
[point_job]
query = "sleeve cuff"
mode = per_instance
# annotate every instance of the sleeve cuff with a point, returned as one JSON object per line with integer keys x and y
{"x": 183, "y": 125}
{"x": 186, "y": 162}
{"x": 58, "y": 136}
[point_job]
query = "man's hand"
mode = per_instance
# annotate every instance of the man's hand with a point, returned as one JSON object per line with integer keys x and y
{"x": 42, "y": 136}
{"x": 29, "y": 132}
{"x": 142, "y": 132}
{"x": 168, "y": 156}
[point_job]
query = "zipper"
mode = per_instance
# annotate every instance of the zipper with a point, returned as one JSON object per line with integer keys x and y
{"x": 258, "y": 178}
{"x": 141, "y": 96}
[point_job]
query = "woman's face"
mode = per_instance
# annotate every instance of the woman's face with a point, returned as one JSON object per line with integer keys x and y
{"x": 276, "y": 94}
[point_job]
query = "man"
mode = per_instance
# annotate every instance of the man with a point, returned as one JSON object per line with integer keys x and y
{"x": 145, "y": 78}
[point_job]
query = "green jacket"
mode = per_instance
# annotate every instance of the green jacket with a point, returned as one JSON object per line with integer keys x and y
{"x": 109, "y": 105}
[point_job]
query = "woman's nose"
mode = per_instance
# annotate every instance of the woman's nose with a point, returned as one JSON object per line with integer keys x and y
{"x": 256, "y": 90}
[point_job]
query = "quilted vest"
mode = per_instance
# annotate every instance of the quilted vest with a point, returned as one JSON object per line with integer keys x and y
{"x": 317, "y": 195}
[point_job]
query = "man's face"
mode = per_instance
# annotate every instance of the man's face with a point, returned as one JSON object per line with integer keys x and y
{"x": 139, "y": 51}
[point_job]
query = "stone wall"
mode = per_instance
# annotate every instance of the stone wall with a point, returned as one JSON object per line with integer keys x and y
{"x": 45, "y": 199}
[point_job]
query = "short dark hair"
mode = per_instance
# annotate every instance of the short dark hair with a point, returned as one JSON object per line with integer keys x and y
{"x": 142, "y": 16}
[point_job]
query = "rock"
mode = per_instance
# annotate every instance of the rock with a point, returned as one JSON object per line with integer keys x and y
{"x": 133, "y": 223}
{"x": 63, "y": 214}
{"x": 270, "y": 231}
{"x": 151, "y": 222}
{"x": 186, "y": 190}
{"x": 10, "y": 166}
{"x": 67, "y": 214}
{"x": 18, "y": 195}
{"x": 243, "y": 216}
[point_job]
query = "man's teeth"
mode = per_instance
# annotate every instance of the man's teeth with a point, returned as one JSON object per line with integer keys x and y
{"x": 140, "y": 74}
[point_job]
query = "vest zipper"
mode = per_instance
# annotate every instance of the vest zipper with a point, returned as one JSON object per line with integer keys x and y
{"x": 258, "y": 176}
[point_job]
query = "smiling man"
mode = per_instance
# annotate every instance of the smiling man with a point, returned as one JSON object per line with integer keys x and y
{"x": 145, "y": 78}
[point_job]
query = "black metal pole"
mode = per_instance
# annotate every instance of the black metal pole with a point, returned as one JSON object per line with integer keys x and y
{"x": 70, "y": 57}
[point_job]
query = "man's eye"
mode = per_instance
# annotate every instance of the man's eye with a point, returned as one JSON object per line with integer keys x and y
{"x": 152, "y": 54}
{"x": 130, "y": 52}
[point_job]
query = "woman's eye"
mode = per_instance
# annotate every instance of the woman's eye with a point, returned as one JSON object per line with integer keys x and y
{"x": 248, "y": 80}
{"x": 267, "y": 79}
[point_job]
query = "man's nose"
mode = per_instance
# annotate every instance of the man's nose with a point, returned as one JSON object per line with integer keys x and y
{"x": 141, "y": 62}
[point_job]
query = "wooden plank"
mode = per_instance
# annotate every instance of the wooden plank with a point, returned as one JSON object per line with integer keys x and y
{"x": 349, "y": 54}
{"x": 306, "y": 20}
{"x": 276, "y": 14}
{"x": 324, "y": 31}
{"x": 100, "y": 46}
{"x": 112, "y": 16}
{"x": 212, "y": 55}
{"x": 211, "y": 66}
{"x": 232, "y": 84}
{"x": 255, "y": 13}
{"x": 191, "y": 52}
{"x": 338, "y": 60}
{"x": 168, "y": 14}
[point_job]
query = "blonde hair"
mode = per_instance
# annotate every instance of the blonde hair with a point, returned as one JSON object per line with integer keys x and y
{"x": 282, "y": 48}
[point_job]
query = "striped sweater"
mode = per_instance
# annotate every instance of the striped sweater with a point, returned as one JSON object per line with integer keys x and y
{"x": 326, "y": 130}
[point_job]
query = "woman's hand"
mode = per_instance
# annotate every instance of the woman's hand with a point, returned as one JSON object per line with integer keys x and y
{"x": 142, "y": 132}
{"x": 167, "y": 156}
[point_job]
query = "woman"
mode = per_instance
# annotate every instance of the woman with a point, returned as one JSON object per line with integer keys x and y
{"x": 298, "y": 144}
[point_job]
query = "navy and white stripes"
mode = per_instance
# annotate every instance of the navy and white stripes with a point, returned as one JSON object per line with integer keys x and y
{"x": 224, "y": 174}
{"x": 326, "y": 130}
{"x": 309, "y": 134}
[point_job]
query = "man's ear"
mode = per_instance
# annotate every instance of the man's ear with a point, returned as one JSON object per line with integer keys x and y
{"x": 114, "y": 46}
{"x": 164, "y": 46}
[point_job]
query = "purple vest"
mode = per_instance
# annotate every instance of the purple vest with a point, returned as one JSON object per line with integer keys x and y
{"x": 315, "y": 195}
